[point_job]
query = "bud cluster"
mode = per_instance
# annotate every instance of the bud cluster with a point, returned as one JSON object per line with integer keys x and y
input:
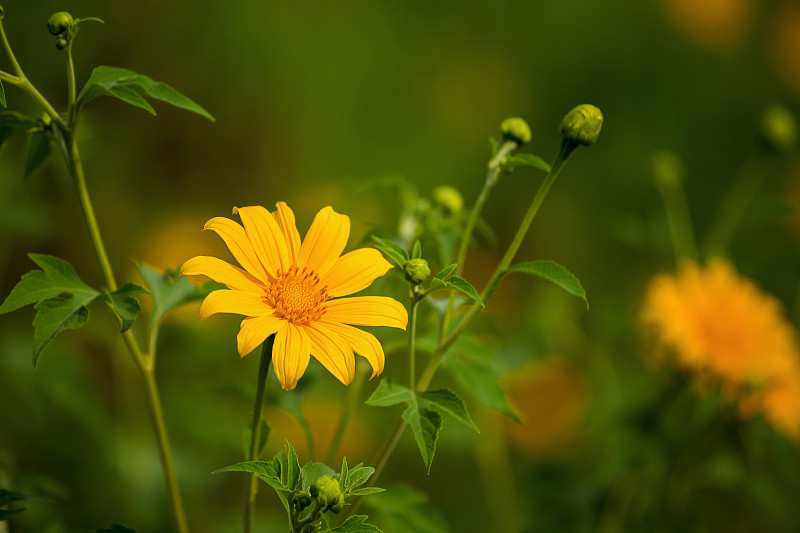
{"x": 60, "y": 25}
{"x": 326, "y": 491}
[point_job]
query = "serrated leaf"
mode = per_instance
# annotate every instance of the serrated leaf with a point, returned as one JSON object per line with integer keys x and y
{"x": 247, "y": 434}
{"x": 263, "y": 469}
{"x": 132, "y": 88}
{"x": 37, "y": 152}
{"x": 394, "y": 251}
{"x": 290, "y": 467}
{"x": 425, "y": 423}
{"x": 312, "y": 471}
{"x": 529, "y": 160}
{"x": 456, "y": 283}
{"x": 447, "y": 401}
{"x": 471, "y": 366}
{"x": 446, "y": 271}
{"x": 60, "y": 298}
{"x": 552, "y": 272}
{"x": 358, "y": 476}
{"x": 126, "y": 306}
{"x": 343, "y": 474}
{"x": 356, "y": 524}
{"x": 416, "y": 251}
{"x": 365, "y": 491}
{"x": 116, "y": 528}
{"x": 2, "y": 95}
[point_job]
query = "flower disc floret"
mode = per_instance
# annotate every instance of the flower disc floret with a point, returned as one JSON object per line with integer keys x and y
{"x": 298, "y": 295}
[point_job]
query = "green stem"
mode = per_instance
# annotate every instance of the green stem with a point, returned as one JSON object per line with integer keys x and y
{"x": 680, "y": 220}
{"x": 255, "y": 432}
{"x": 495, "y": 167}
{"x": 70, "y": 86}
{"x": 352, "y": 396}
{"x": 412, "y": 337}
{"x": 734, "y": 206}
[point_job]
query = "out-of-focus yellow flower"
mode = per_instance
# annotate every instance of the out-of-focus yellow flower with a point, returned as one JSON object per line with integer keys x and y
{"x": 549, "y": 396}
{"x": 716, "y": 321}
{"x": 779, "y": 402}
{"x": 714, "y": 24}
{"x": 291, "y": 289}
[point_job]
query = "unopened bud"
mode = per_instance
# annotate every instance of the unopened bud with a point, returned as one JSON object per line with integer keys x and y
{"x": 326, "y": 491}
{"x": 416, "y": 271}
{"x": 59, "y": 22}
{"x": 301, "y": 501}
{"x": 61, "y": 44}
{"x": 582, "y": 125}
{"x": 448, "y": 199}
{"x": 517, "y": 130}
{"x": 778, "y": 128}
{"x": 339, "y": 505}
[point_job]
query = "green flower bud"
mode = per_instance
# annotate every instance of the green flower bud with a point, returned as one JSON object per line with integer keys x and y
{"x": 448, "y": 199}
{"x": 326, "y": 491}
{"x": 61, "y": 44}
{"x": 339, "y": 505}
{"x": 59, "y": 22}
{"x": 778, "y": 128}
{"x": 416, "y": 270}
{"x": 582, "y": 125}
{"x": 516, "y": 129}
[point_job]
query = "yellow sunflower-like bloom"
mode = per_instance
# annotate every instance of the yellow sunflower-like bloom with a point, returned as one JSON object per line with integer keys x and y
{"x": 716, "y": 321}
{"x": 293, "y": 289}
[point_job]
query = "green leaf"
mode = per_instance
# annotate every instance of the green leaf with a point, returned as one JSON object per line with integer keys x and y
{"x": 5, "y": 514}
{"x": 7, "y": 497}
{"x": 116, "y": 528}
{"x": 355, "y": 524}
{"x": 529, "y": 160}
{"x": 424, "y": 422}
{"x": 416, "y": 251}
{"x": 312, "y": 471}
{"x": 553, "y": 272}
{"x": 394, "y": 251}
{"x": 447, "y": 401}
{"x": 456, "y": 283}
{"x": 494, "y": 146}
{"x": 290, "y": 467}
{"x": 2, "y": 95}
{"x": 37, "y": 152}
{"x": 264, "y": 470}
{"x": 405, "y": 510}
{"x": 262, "y": 437}
{"x": 126, "y": 306}
{"x": 366, "y": 491}
{"x": 60, "y": 296}
{"x": 343, "y": 474}
{"x": 472, "y": 367}
{"x": 12, "y": 122}
{"x": 358, "y": 476}
{"x": 132, "y": 88}
{"x": 169, "y": 292}
{"x": 446, "y": 271}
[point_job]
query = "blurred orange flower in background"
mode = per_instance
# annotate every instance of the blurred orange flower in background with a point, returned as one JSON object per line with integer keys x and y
{"x": 291, "y": 289}
{"x": 716, "y": 24}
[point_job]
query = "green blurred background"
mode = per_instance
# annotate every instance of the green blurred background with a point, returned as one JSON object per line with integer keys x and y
{"x": 315, "y": 100}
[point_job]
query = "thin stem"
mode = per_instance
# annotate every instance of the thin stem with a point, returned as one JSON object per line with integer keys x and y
{"x": 680, "y": 220}
{"x": 412, "y": 337}
{"x": 255, "y": 431}
{"x": 70, "y": 85}
{"x": 351, "y": 401}
{"x": 734, "y": 206}
{"x": 9, "y": 52}
{"x": 495, "y": 167}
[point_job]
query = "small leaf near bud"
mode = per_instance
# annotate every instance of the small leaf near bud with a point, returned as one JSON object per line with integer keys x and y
{"x": 448, "y": 199}
{"x": 582, "y": 125}
{"x": 416, "y": 271}
{"x": 58, "y": 23}
{"x": 517, "y": 130}
{"x": 61, "y": 44}
{"x": 778, "y": 128}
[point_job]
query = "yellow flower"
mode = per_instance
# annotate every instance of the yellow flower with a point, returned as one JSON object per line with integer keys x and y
{"x": 292, "y": 289}
{"x": 716, "y": 321}
{"x": 779, "y": 402}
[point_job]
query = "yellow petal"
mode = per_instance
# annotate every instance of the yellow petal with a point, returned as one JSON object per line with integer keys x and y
{"x": 290, "y": 355}
{"x": 231, "y": 276}
{"x": 361, "y": 342}
{"x": 355, "y": 271}
{"x": 236, "y": 302}
{"x": 325, "y": 241}
{"x": 266, "y": 236}
{"x": 367, "y": 311}
{"x": 255, "y": 329}
{"x": 284, "y": 217}
{"x": 240, "y": 246}
{"x": 332, "y": 351}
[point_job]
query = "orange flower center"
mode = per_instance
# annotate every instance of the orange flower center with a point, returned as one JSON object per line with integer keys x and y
{"x": 297, "y": 295}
